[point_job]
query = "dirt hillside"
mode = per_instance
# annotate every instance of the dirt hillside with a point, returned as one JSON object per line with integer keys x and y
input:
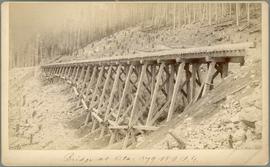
{"x": 45, "y": 113}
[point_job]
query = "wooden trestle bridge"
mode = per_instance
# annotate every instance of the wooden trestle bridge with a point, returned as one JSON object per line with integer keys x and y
{"x": 129, "y": 95}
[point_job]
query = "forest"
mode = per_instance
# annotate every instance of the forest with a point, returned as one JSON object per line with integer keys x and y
{"x": 95, "y": 21}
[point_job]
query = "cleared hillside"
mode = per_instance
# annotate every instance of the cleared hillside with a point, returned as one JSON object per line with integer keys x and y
{"x": 48, "y": 119}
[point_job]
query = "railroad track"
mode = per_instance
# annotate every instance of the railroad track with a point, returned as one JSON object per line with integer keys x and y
{"x": 131, "y": 95}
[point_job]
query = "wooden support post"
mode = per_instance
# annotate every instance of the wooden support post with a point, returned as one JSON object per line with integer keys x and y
{"x": 123, "y": 97}
{"x": 224, "y": 71}
{"x": 81, "y": 76}
{"x": 153, "y": 70}
{"x": 76, "y": 75}
{"x": 92, "y": 79}
{"x": 73, "y": 73}
{"x": 68, "y": 73}
{"x": 188, "y": 91}
{"x": 195, "y": 67}
{"x": 94, "y": 96}
{"x": 171, "y": 82}
{"x": 122, "y": 100}
{"x": 154, "y": 95}
{"x": 114, "y": 89}
{"x": 86, "y": 77}
{"x": 208, "y": 78}
{"x": 138, "y": 92}
{"x": 135, "y": 104}
{"x": 101, "y": 100}
{"x": 63, "y": 72}
{"x": 105, "y": 87}
{"x": 175, "y": 91}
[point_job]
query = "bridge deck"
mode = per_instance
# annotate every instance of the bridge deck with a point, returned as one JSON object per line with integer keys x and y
{"x": 231, "y": 51}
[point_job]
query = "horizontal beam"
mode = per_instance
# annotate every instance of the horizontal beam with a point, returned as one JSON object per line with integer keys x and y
{"x": 225, "y": 50}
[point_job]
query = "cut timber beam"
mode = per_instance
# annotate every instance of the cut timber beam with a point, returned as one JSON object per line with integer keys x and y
{"x": 154, "y": 95}
{"x": 175, "y": 91}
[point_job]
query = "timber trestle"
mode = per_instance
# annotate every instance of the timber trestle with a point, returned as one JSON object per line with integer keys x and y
{"x": 131, "y": 95}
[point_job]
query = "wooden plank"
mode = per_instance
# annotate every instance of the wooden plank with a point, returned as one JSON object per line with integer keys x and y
{"x": 175, "y": 90}
{"x": 154, "y": 95}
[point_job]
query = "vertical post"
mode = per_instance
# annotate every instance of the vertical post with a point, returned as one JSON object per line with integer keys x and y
{"x": 106, "y": 84}
{"x": 188, "y": 82}
{"x": 175, "y": 91}
{"x": 122, "y": 100}
{"x": 81, "y": 75}
{"x": 225, "y": 67}
{"x": 208, "y": 78}
{"x": 91, "y": 81}
{"x": 86, "y": 77}
{"x": 123, "y": 97}
{"x": 193, "y": 80}
{"x": 73, "y": 73}
{"x": 153, "y": 71}
{"x": 114, "y": 88}
{"x": 94, "y": 95}
{"x": 135, "y": 105}
{"x": 171, "y": 82}
{"x": 76, "y": 75}
{"x": 154, "y": 96}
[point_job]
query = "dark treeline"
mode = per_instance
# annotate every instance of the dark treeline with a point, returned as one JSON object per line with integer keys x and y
{"x": 95, "y": 21}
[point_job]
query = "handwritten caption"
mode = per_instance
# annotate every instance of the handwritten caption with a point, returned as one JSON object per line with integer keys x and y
{"x": 84, "y": 159}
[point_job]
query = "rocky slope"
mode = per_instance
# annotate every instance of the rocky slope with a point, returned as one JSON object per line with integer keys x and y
{"x": 45, "y": 115}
